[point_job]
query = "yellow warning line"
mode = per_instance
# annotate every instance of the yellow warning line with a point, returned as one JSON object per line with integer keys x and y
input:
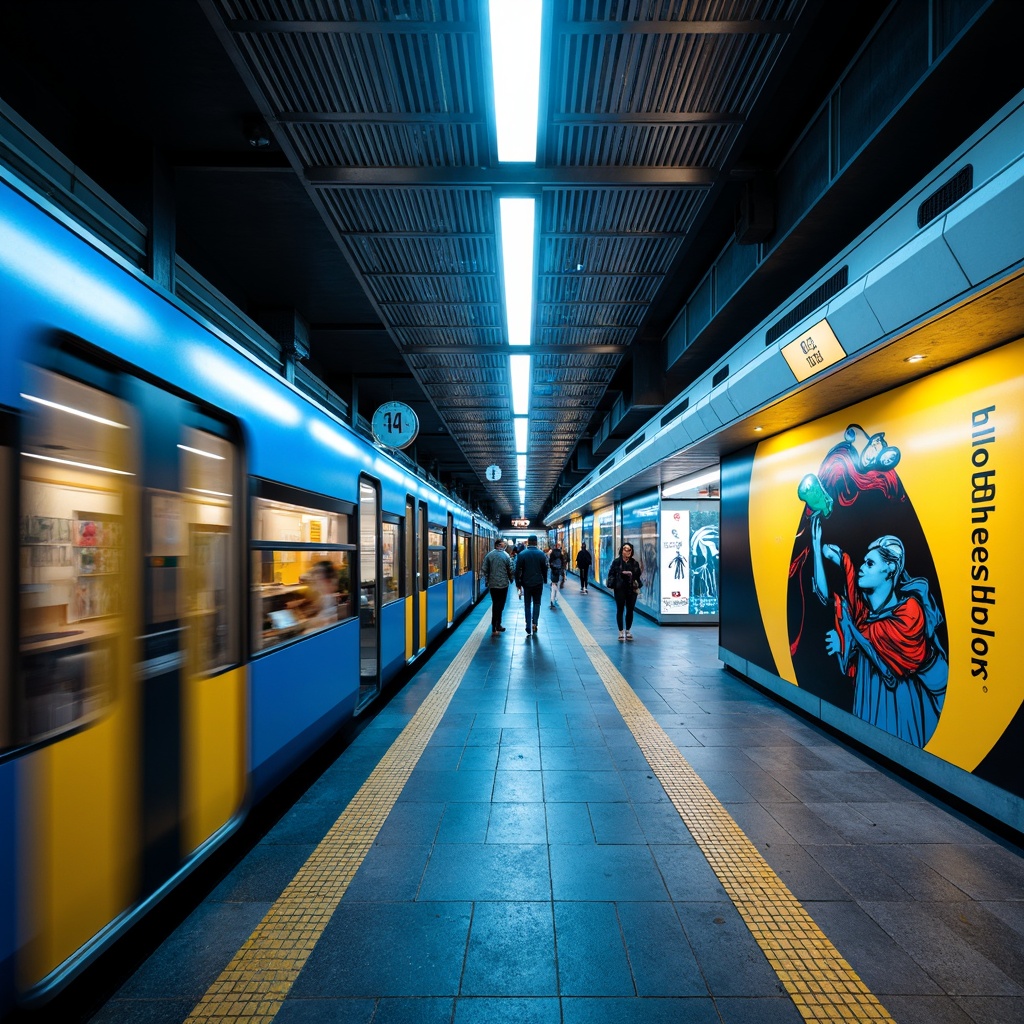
{"x": 254, "y": 985}
{"x": 820, "y": 982}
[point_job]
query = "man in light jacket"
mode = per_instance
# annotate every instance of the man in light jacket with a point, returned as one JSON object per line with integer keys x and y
{"x": 497, "y": 570}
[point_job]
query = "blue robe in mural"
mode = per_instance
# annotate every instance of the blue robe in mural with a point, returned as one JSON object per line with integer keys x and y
{"x": 897, "y": 663}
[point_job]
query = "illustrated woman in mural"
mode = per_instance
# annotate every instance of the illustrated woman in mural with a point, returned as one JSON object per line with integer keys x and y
{"x": 884, "y": 636}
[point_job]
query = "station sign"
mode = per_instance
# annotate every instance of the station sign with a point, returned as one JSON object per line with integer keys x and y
{"x": 815, "y": 350}
{"x": 395, "y": 425}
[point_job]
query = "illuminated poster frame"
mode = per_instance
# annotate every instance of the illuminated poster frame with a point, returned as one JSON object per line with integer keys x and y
{"x": 688, "y": 562}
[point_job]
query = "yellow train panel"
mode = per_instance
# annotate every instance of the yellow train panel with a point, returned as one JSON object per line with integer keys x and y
{"x": 214, "y": 751}
{"x": 80, "y": 840}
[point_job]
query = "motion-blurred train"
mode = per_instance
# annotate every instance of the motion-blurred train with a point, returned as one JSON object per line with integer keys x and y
{"x": 208, "y": 574}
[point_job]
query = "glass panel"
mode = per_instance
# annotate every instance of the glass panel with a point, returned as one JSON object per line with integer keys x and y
{"x": 368, "y": 598}
{"x": 391, "y": 562}
{"x": 435, "y": 555}
{"x": 604, "y": 543}
{"x": 208, "y": 475}
{"x": 319, "y": 598}
{"x": 276, "y": 520}
{"x": 298, "y": 591}
{"x": 463, "y": 552}
{"x": 75, "y": 473}
{"x": 409, "y": 554}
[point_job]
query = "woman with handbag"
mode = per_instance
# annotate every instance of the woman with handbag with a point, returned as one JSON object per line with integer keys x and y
{"x": 625, "y": 579}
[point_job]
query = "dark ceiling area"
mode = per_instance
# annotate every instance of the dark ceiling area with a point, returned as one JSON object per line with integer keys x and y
{"x": 332, "y": 164}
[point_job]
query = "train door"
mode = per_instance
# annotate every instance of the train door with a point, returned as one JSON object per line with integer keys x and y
{"x": 455, "y": 567}
{"x": 369, "y": 589}
{"x": 130, "y": 696}
{"x": 421, "y": 573}
{"x": 192, "y": 756}
{"x": 410, "y": 580}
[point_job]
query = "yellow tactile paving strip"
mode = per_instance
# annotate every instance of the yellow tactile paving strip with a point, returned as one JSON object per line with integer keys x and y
{"x": 254, "y": 985}
{"x": 821, "y": 983}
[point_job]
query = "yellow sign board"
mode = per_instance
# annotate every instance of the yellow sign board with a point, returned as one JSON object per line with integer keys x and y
{"x": 813, "y": 351}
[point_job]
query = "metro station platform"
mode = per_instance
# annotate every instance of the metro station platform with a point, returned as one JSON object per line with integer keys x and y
{"x": 566, "y": 829}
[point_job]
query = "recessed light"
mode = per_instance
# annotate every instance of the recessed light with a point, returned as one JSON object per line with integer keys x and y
{"x": 914, "y": 359}
{"x": 758, "y": 429}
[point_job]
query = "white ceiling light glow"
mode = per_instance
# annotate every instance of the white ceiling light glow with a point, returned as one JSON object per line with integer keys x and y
{"x": 691, "y": 483}
{"x": 517, "y": 215}
{"x": 515, "y": 65}
{"x": 520, "y": 369}
{"x": 522, "y": 428}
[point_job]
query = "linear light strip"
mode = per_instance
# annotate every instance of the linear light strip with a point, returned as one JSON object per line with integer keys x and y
{"x": 74, "y": 412}
{"x": 77, "y": 465}
{"x": 517, "y": 214}
{"x": 515, "y": 67}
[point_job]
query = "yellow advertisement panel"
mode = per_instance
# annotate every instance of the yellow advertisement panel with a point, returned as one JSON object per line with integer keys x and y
{"x": 885, "y": 544}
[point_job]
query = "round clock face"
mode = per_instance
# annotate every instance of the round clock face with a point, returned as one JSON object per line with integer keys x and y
{"x": 493, "y": 473}
{"x": 395, "y": 424}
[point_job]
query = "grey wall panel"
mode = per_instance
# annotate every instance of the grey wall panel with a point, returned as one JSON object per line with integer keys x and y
{"x": 918, "y": 277}
{"x": 723, "y": 404}
{"x": 761, "y": 380}
{"x": 852, "y": 319}
{"x": 708, "y": 417}
{"x": 985, "y": 231}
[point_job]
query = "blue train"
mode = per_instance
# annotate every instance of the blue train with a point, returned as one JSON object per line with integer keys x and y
{"x": 209, "y": 575}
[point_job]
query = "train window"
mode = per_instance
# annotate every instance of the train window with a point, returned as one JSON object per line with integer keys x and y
{"x": 77, "y": 470}
{"x": 302, "y": 562}
{"x": 410, "y": 550}
{"x": 436, "y": 554}
{"x": 208, "y": 473}
{"x": 464, "y": 562}
{"x": 392, "y": 578}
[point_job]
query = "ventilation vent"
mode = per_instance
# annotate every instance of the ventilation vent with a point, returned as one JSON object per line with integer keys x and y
{"x": 604, "y": 469}
{"x": 836, "y": 283}
{"x": 675, "y": 411}
{"x": 720, "y": 376}
{"x": 633, "y": 445}
{"x": 944, "y": 197}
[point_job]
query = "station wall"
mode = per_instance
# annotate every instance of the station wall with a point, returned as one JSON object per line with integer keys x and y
{"x": 901, "y": 631}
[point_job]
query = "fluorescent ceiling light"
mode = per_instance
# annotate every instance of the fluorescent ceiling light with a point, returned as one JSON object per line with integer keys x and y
{"x": 517, "y": 216}
{"x": 520, "y": 369}
{"x": 74, "y": 412}
{"x": 199, "y": 451}
{"x": 522, "y": 428}
{"x": 691, "y": 483}
{"x": 515, "y": 65}
{"x": 77, "y": 465}
{"x": 203, "y": 490}
{"x": 521, "y": 462}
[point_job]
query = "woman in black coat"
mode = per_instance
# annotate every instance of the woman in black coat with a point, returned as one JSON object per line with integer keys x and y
{"x": 625, "y": 579}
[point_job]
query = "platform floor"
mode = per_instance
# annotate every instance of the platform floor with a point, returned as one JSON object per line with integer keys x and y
{"x": 566, "y": 829}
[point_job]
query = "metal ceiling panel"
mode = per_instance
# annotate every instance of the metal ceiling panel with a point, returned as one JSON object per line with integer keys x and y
{"x": 383, "y": 109}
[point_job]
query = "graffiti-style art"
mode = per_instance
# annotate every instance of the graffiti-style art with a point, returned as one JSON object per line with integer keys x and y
{"x": 870, "y": 633}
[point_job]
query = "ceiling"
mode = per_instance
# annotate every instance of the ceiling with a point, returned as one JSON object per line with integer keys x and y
{"x": 367, "y": 213}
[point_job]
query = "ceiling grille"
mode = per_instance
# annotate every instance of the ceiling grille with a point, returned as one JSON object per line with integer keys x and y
{"x": 381, "y": 107}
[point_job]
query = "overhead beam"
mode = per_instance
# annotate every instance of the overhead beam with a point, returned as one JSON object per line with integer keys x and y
{"x": 524, "y": 176}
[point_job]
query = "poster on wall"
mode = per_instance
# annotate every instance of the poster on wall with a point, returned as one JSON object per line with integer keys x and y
{"x": 689, "y": 558}
{"x": 883, "y": 546}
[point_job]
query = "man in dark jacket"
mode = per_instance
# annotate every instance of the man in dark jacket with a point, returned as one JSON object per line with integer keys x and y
{"x": 531, "y": 575}
{"x": 584, "y": 560}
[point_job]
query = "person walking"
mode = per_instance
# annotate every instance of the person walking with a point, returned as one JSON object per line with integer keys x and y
{"x": 531, "y": 575}
{"x": 584, "y": 560}
{"x": 556, "y": 568}
{"x": 624, "y": 580}
{"x": 497, "y": 570}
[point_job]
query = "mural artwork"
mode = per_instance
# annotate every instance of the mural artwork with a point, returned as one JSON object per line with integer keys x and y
{"x": 865, "y": 615}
